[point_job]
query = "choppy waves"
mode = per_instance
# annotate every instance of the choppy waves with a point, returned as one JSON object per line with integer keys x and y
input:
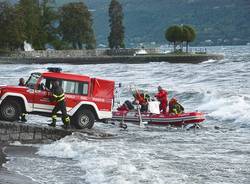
{"x": 218, "y": 153}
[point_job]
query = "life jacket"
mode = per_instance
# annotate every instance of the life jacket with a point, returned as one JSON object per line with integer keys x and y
{"x": 140, "y": 97}
{"x": 58, "y": 94}
{"x": 175, "y": 107}
{"x": 178, "y": 109}
{"x": 146, "y": 97}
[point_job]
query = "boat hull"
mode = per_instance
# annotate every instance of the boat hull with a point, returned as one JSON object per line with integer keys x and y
{"x": 159, "y": 119}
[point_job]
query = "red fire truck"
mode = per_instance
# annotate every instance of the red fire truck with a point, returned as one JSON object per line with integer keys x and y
{"x": 87, "y": 99}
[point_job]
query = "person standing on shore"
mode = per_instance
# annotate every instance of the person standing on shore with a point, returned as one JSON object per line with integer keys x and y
{"x": 162, "y": 96}
{"x": 21, "y": 82}
{"x": 58, "y": 97}
{"x": 23, "y": 114}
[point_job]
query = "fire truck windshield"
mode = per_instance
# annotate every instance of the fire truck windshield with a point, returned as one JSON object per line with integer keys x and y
{"x": 33, "y": 80}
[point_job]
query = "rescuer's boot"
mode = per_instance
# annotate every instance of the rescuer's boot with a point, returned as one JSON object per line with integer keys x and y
{"x": 23, "y": 118}
{"x": 66, "y": 126}
{"x": 66, "y": 122}
{"x": 53, "y": 124}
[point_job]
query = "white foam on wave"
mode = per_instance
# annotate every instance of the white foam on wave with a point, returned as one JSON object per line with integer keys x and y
{"x": 60, "y": 149}
{"x": 235, "y": 108}
{"x": 85, "y": 152}
{"x": 210, "y": 61}
{"x": 16, "y": 143}
{"x": 102, "y": 162}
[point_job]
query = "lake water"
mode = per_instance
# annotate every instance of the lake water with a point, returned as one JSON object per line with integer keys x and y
{"x": 217, "y": 153}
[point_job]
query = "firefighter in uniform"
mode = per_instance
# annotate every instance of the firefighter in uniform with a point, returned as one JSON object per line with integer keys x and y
{"x": 58, "y": 97}
{"x": 23, "y": 114}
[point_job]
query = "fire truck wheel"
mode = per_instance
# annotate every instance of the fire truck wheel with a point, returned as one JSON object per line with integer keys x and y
{"x": 84, "y": 119}
{"x": 10, "y": 110}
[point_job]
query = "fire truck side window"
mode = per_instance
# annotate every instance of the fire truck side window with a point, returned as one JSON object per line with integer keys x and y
{"x": 74, "y": 87}
{"x": 83, "y": 88}
{"x": 33, "y": 80}
{"x": 45, "y": 84}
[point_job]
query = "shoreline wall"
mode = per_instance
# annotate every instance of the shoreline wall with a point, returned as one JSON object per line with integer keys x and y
{"x": 138, "y": 59}
{"x": 29, "y": 133}
{"x": 34, "y": 133}
{"x": 78, "y": 53}
{"x": 102, "y": 56}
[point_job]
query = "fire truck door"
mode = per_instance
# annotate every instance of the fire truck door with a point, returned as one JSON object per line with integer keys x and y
{"x": 42, "y": 100}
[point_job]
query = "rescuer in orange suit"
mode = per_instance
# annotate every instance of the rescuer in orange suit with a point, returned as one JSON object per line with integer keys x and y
{"x": 142, "y": 98}
{"x": 139, "y": 97}
{"x": 162, "y": 96}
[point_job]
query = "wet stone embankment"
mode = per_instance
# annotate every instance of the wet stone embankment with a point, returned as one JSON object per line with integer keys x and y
{"x": 33, "y": 133}
{"x": 29, "y": 133}
{"x": 114, "y": 59}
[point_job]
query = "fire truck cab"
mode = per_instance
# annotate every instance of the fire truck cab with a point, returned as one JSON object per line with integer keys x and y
{"x": 87, "y": 99}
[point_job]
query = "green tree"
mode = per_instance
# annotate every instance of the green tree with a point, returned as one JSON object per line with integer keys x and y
{"x": 174, "y": 35}
{"x": 12, "y": 29}
{"x": 189, "y": 35}
{"x": 27, "y": 20}
{"x": 76, "y": 25}
{"x": 31, "y": 18}
{"x": 179, "y": 34}
{"x": 47, "y": 33}
{"x": 116, "y": 36}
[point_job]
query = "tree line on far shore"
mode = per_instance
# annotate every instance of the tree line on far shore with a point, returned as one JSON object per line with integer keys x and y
{"x": 68, "y": 27}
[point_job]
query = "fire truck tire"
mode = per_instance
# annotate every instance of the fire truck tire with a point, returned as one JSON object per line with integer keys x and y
{"x": 10, "y": 110}
{"x": 84, "y": 119}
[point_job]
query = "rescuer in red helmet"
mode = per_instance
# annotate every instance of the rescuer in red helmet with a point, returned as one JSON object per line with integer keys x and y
{"x": 162, "y": 96}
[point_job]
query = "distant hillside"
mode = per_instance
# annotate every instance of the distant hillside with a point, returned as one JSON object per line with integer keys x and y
{"x": 218, "y": 22}
{"x": 221, "y": 21}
